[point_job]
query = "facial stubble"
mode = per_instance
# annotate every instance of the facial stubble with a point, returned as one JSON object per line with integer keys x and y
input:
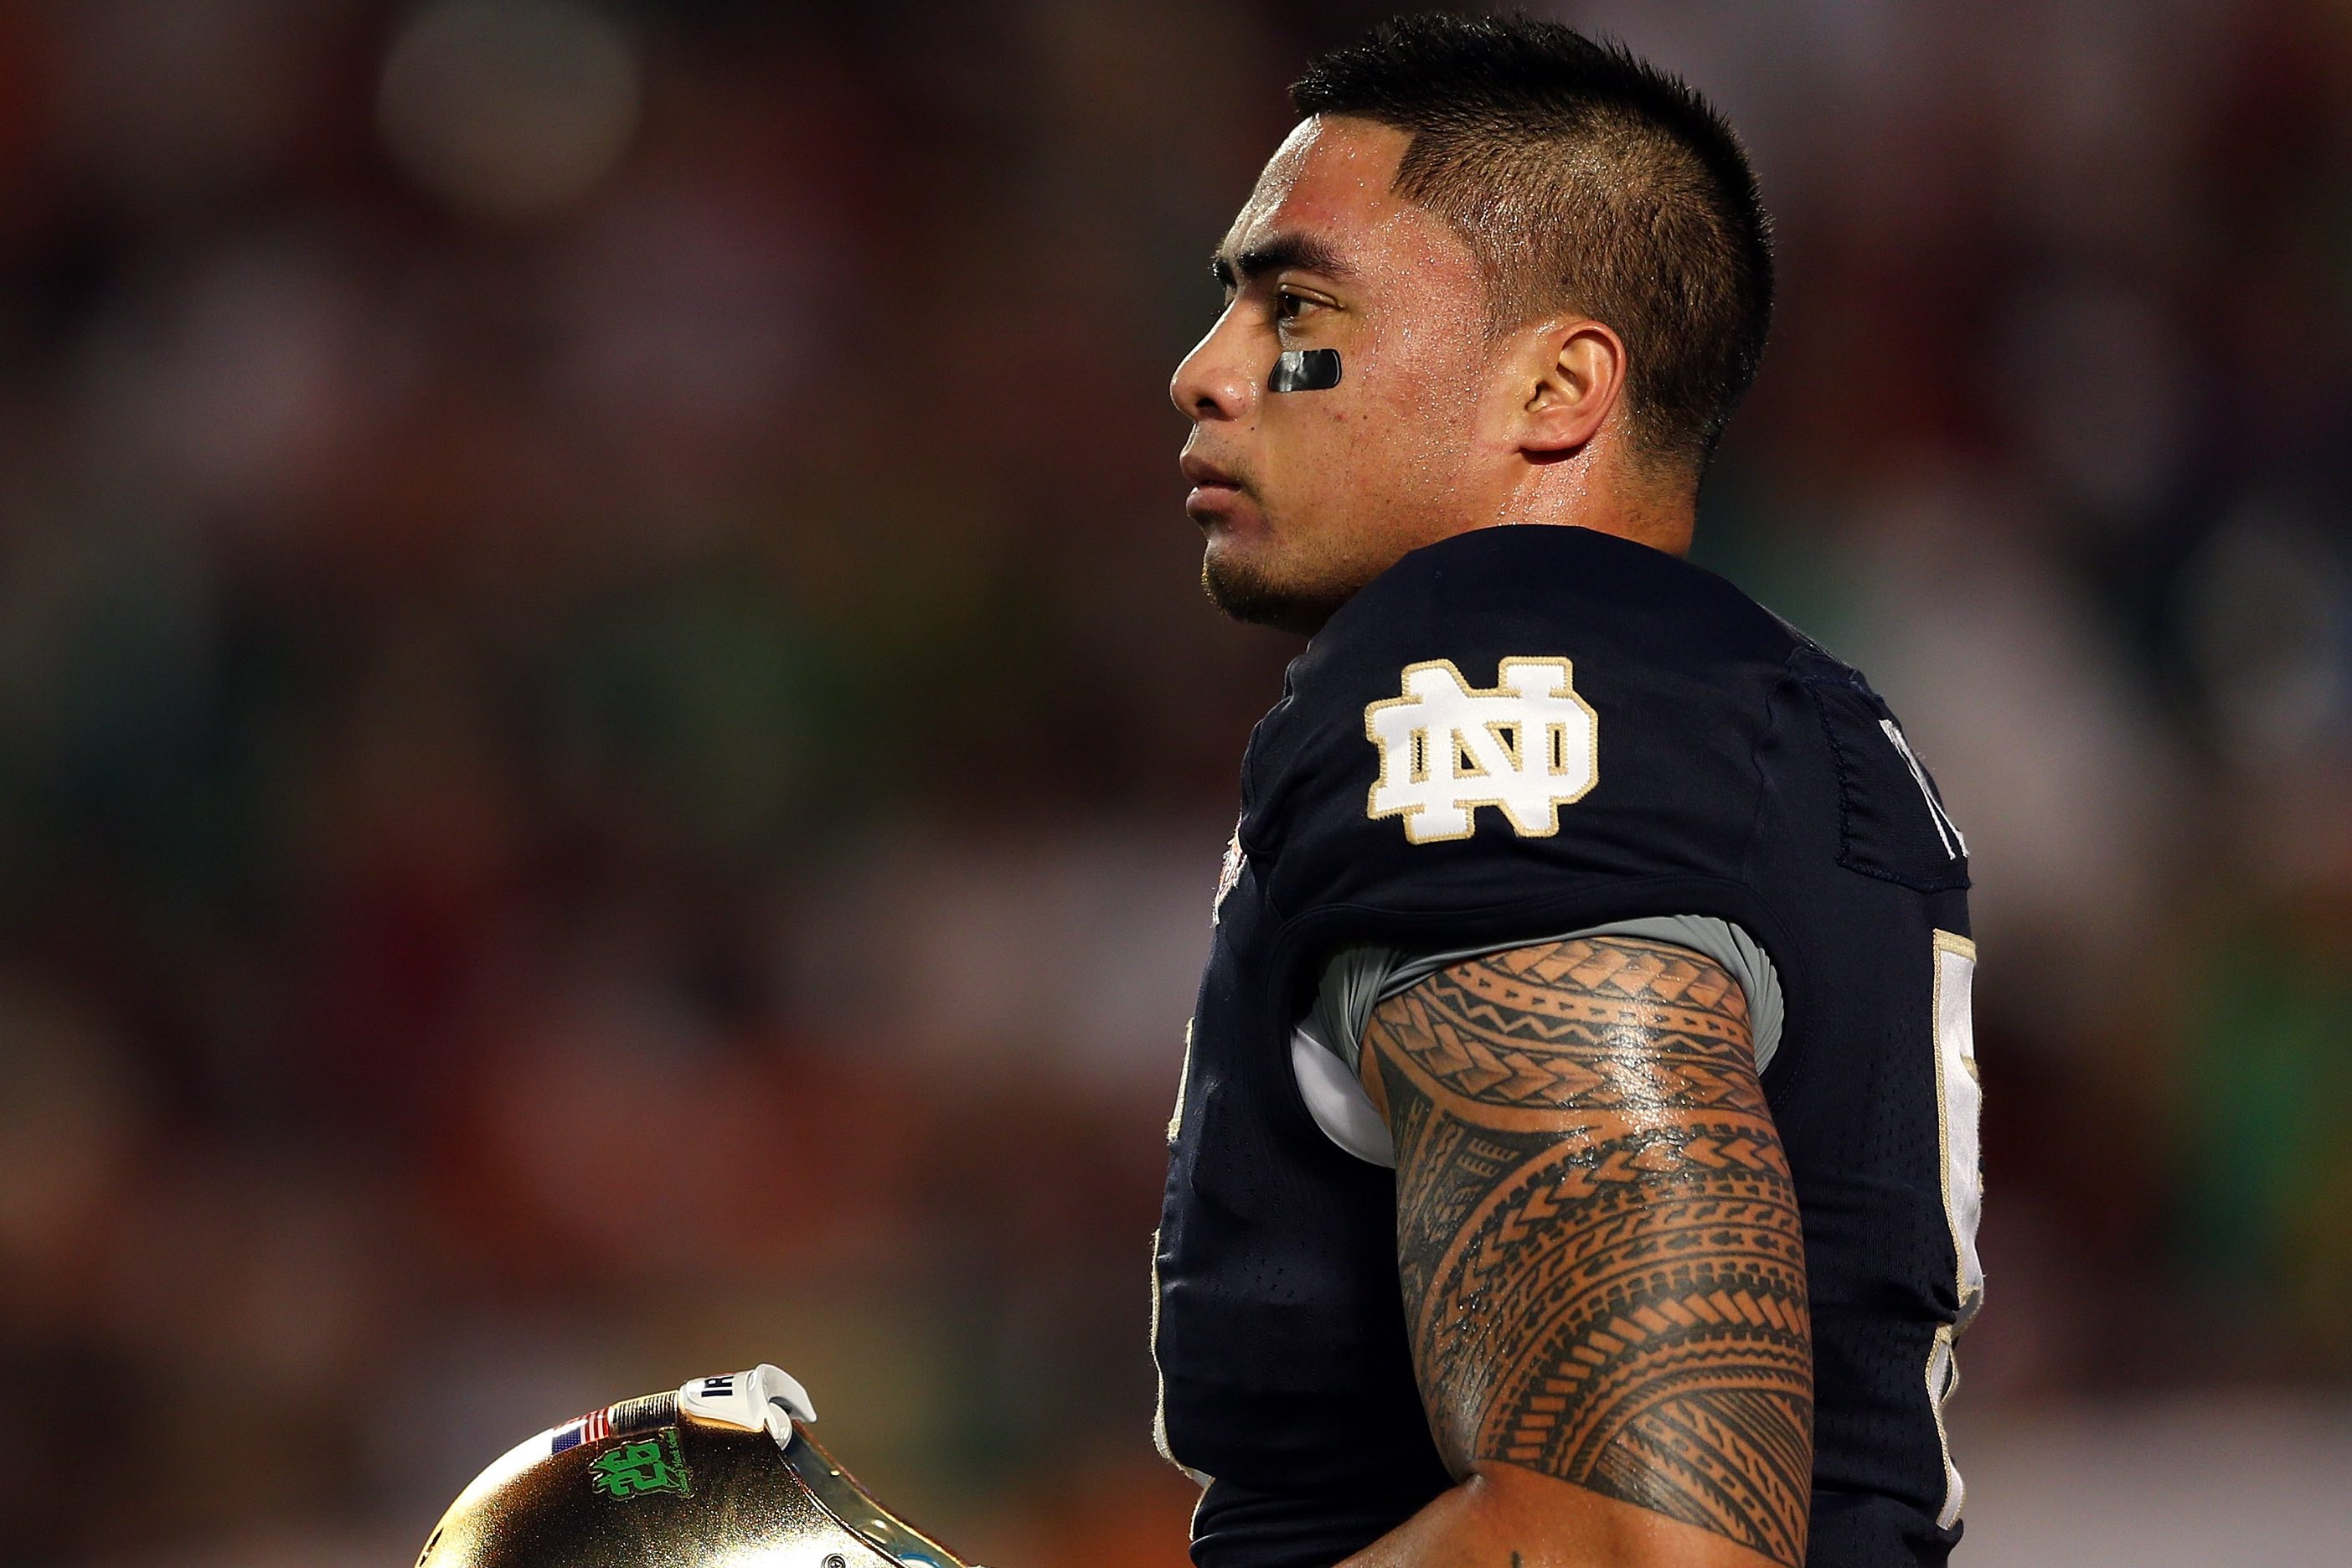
{"x": 1298, "y": 602}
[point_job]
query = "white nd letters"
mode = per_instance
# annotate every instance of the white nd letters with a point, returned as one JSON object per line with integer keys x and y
{"x": 1527, "y": 745}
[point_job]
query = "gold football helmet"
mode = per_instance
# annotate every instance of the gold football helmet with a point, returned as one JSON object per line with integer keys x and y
{"x": 717, "y": 1475}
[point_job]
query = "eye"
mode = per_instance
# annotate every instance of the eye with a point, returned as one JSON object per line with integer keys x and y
{"x": 1288, "y": 306}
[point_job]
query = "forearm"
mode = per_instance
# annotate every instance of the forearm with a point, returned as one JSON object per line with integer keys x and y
{"x": 1504, "y": 1516}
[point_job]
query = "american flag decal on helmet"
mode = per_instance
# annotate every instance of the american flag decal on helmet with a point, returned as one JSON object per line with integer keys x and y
{"x": 593, "y": 1427}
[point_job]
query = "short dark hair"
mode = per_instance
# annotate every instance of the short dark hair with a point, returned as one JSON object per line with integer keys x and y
{"x": 1582, "y": 178}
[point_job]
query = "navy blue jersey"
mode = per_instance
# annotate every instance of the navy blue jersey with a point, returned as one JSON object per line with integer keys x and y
{"x": 1512, "y": 733}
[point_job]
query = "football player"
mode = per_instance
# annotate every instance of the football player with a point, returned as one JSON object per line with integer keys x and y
{"x": 1576, "y": 1158}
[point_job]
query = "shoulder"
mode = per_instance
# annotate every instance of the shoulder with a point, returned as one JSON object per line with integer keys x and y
{"x": 1565, "y": 625}
{"x": 1615, "y": 598}
{"x": 1510, "y": 706}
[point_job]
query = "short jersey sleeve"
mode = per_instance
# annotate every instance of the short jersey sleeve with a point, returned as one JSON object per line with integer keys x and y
{"x": 1357, "y": 980}
{"x": 1514, "y": 730}
{"x": 1326, "y": 1047}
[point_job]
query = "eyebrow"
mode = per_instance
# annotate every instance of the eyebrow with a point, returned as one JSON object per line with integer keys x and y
{"x": 1302, "y": 251}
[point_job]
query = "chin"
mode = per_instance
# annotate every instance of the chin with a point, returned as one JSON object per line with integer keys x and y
{"x": 1244, "y": 591}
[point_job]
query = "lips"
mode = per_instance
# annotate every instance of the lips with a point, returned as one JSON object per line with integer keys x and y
{"x": 1206, "y": 475}
{"x": 1216, "y": 488}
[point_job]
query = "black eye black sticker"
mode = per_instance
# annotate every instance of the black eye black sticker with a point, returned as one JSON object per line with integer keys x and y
{"x": 1304, "y": 370}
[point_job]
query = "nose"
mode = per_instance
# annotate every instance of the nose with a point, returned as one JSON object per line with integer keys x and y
{"x": 1214, "y": 382}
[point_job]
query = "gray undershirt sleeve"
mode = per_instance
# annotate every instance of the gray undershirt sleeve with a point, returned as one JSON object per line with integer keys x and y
{"x": 1325, "y": 1050}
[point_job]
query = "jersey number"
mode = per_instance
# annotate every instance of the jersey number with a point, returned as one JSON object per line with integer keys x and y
{"x": 1958, "y": 1100}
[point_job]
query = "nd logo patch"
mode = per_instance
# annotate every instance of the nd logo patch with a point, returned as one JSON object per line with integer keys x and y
{"x": 1526, "y": 745}
{"x": 640, "y": 1470}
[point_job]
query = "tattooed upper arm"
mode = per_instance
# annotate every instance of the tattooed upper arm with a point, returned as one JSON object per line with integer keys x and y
{"x": 1597, "y": 1233}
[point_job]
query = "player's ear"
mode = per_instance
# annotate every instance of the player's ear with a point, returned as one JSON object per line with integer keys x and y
{"x": 1570, "y": 374}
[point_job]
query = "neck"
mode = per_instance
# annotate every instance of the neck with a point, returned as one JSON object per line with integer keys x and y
{"x": 1595, "y": 488}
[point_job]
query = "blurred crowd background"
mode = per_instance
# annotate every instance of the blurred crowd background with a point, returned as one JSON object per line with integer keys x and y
{"x": 611, "y": 764}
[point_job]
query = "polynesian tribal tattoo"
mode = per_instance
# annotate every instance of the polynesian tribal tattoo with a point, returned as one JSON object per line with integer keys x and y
{"x": 1597, "y": 1232}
